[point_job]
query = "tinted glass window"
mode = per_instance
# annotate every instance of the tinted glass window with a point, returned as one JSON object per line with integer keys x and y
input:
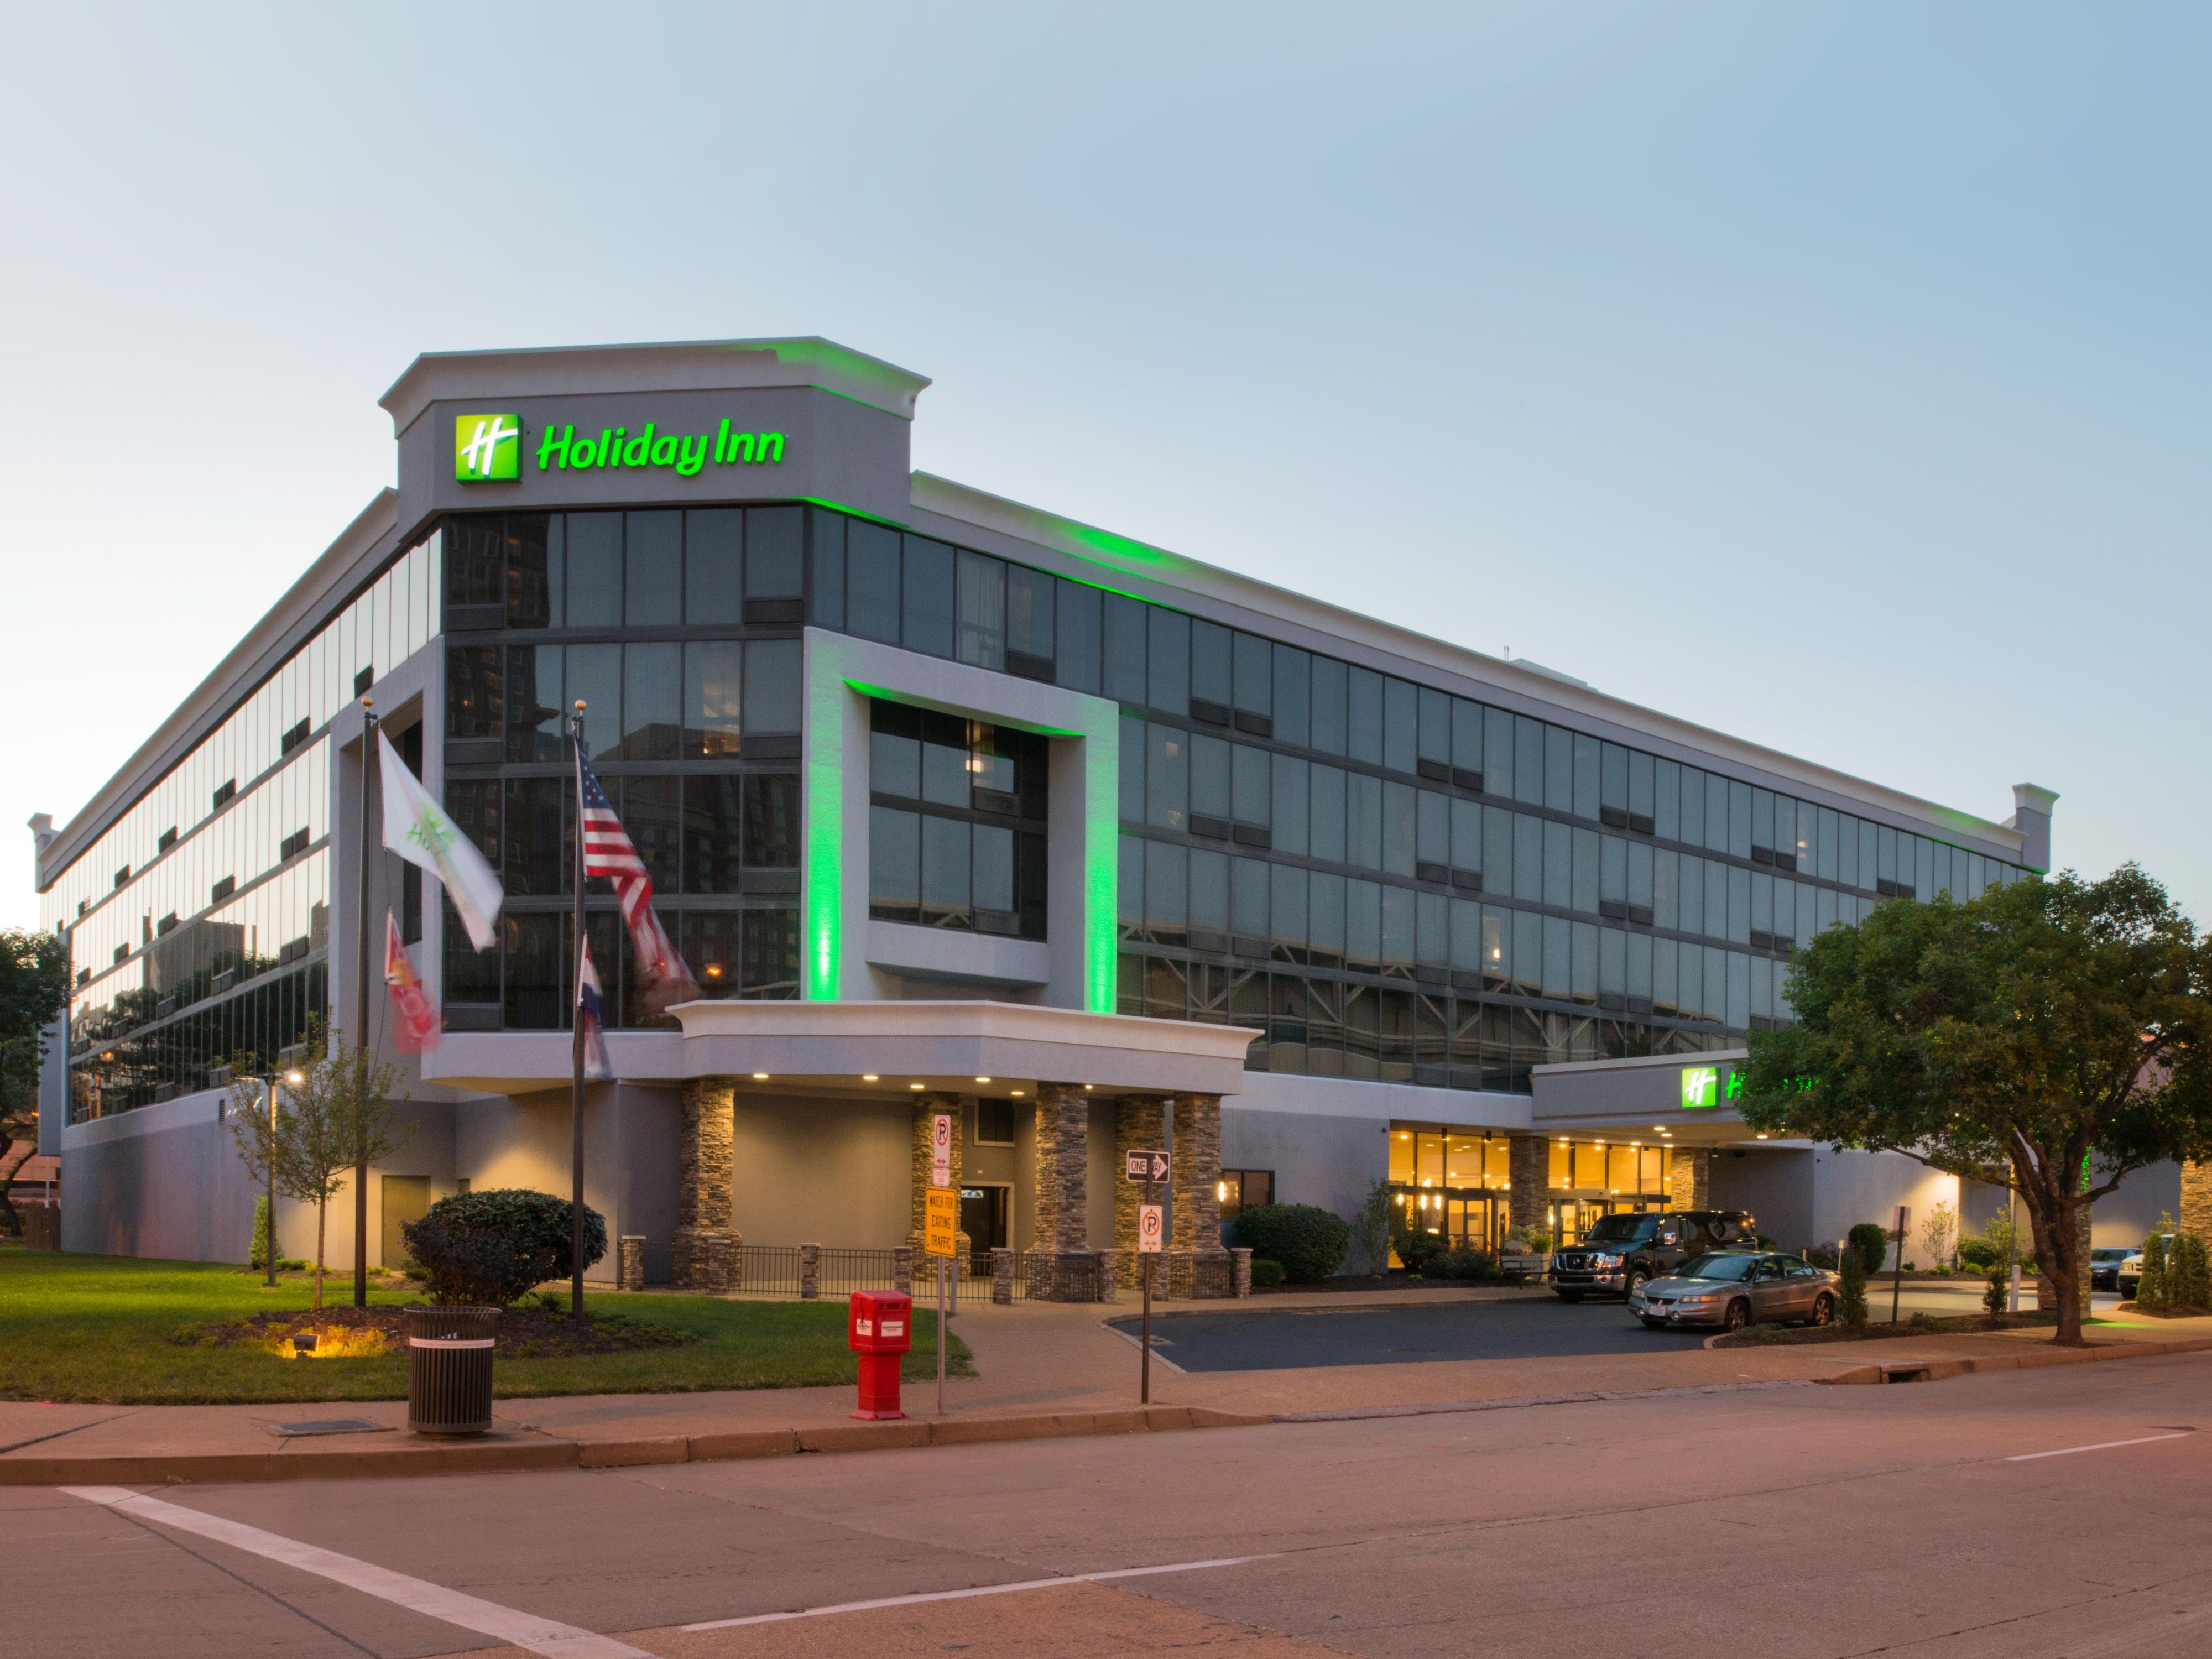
{"x": 1076, "y": 665}
{"x": 714, "y": 565}
{"x": 872, "y": 582}
{"x": 928, "y": 620}
{"x": 655, "y": 565}
{"x": 594, "y": 569}
{"x": 775, "y": 547}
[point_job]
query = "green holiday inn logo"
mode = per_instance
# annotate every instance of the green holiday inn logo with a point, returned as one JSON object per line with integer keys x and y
{"x": 1701, "y": 1087}
{"x": 487, "y": 447}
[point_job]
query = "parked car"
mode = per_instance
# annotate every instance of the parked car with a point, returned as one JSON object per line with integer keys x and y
{"x": 2105, "y": 1266}
{"x": 1622, "y": 1252}
{"x": 1734, "y": 1288}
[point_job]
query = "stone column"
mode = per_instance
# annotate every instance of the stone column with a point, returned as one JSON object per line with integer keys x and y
{"x": 1529, "y": 1165}
{"x": 1691, "y": 1186}
{"x": 1197, "y": 1216}
{"x": 702, "y": 1177}
{"x": 1110, "y": 1274}
{"x": 2196, "y": 1215}
{"x": 810, "y": 1272}
{"x": 1243, "y": 1280}
{"x": 629, "y": 1262}
{"x": 927, "y": 1107}
{"x": 1002, "y": 1276}
{"x": 1140, "y": 1122}
{"x": 902, "y": 1268}
{"x": 1063, "y": 1172}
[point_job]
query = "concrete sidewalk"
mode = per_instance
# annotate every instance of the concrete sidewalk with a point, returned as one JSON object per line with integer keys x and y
{"x": 1043, "y": 1369}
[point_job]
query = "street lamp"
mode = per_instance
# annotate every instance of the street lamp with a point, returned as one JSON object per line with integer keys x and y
{"x": 268, "y": 1161}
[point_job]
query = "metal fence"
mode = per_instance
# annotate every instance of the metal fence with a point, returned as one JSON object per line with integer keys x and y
{"x": 764, "y": 1270}
{"x": 839, "y": 1273}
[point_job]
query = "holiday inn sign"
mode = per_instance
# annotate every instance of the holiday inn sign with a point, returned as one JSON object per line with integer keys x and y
{"x": 490, "y": 448}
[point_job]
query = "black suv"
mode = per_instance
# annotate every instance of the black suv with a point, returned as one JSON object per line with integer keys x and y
{"x": 1622, "y": 1251}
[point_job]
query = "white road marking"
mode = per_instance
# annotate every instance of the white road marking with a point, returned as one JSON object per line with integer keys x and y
{"x": 522, "y": 1630}
{"x": 979, "y": 1589}
{"x": 2102, "y": 1445}
{"x": 1159, "y": 1358}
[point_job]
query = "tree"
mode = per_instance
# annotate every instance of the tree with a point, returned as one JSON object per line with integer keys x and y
{"x": 1370, "y": 1229}
{"x": 2047, "y": 1028}
{"x": 340, "y": 1105}
{"x": 1938, "y": 1229}
{"x": 33, "y": 986}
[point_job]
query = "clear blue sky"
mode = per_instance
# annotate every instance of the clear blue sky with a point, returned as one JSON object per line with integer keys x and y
{"x": 1833, "y": 375}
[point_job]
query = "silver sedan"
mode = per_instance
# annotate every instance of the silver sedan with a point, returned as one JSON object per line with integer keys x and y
{"x": 1733, "y": 1288}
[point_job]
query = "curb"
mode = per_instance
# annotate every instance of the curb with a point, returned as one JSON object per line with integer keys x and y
{"x": 1937, "y": 1370}
{"x": 483, "y": 1457}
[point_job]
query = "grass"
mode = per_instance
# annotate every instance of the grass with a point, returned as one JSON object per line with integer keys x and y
{"x": 97, "y": 1328}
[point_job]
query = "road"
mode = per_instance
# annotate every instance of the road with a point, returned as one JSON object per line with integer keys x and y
{"x": 1784, "y": 1521}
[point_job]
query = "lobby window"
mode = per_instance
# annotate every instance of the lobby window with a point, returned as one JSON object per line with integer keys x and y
{"x": 1245, "y": 1190}
{"x": 955, "y": 822}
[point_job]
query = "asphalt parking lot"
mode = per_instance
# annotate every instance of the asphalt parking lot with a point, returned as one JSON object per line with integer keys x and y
{"x": 1395, "y": 1336}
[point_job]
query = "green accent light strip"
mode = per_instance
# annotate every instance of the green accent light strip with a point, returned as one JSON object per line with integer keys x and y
{"x": 1101, "y": 828}
{"x": 822, "y": 944}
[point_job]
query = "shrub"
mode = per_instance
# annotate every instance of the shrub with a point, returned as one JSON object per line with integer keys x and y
{"x": 1996, "y": 1297}
{"x": 1417, "y": 1247}
{"x": 486, "y": 1248}
{"x": 257, "y": 1254}
{"x": 2151, "y": 1289}
{"x": 1850, "y": 1295}
{"x": 1265, "y": 1274}
{"x": 1308, "y": 1241}
{"x": 1869, "y": 1242}
{"x": 1924, "y": 1320}
{"x": 1975, "y": 1251}
{"x": 1459, "y": 1264}
{"x": 2186, "y": 1273}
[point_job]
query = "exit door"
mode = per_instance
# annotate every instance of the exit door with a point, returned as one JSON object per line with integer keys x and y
{"x": 984, "y": 1211}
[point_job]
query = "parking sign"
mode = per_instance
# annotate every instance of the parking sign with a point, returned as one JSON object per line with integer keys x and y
{"x": 1150, "y": 1223}
{"x": 940, "y": 1149}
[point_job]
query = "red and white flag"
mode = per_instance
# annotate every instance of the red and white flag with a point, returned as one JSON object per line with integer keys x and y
{"x": 415, "y": 1023}
{"x": 609, "y": 852}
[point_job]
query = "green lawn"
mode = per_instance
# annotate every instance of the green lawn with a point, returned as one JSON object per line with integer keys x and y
{"x": 97, "y": 1327}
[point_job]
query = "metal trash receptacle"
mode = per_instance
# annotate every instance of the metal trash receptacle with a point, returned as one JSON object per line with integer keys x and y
{"x": 449, "y": 1353}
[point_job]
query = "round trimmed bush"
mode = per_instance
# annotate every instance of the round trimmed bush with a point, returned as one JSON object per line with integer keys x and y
{"x": 1265, "y": 1274}
{"x": 485, "y": 1250}
{"x": 1308, "y": 1241}
{"x": 1870, "y": 1240}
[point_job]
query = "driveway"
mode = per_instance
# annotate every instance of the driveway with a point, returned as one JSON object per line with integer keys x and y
{"x": 1396, "y": 1336}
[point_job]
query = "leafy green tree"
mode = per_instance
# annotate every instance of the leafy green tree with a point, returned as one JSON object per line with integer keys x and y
{"x": 1869, "y": 1242}
{"x": 2030, "y": 1031}
{"x": 1938, "y": 1229}
{"x": 340, "y": 1105}
{"x": 33, "y": 986}
{"x": 1997, "y": 1295}
{"x": 1370, "y": 1229}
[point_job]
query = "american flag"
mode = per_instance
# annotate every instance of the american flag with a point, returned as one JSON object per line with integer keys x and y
{"x": 609, "y": 852}
{"x": 589, "y": 1013}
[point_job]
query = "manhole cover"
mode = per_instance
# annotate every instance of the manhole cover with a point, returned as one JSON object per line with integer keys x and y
{"x": 329, "y": 1425}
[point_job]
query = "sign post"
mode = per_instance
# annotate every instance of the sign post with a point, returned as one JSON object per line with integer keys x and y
{"x": 943, "y": 1227}
{"x": 1149, "y": 1169}
{"x": 1897, "y": 1279}
{"x": 940, "y": 1237}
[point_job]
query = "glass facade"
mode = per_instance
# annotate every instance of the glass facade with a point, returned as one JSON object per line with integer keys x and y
{"x": 1455, "y": 1182}
{"x": 955, "y": 822}
{"x": 198, "y": 922}
{"x": 679, "y": 631}
{"x": 1384, "y": 880}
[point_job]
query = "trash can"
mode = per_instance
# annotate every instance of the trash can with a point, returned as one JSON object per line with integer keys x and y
{"x": 449, "y": 1369}
{"x": 879, "y": 1328}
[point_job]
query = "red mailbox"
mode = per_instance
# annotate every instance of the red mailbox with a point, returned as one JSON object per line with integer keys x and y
{"x": 879, "y": 1328}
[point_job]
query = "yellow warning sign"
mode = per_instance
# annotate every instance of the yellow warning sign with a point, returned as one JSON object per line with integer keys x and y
{"x": 941, "y": 1221}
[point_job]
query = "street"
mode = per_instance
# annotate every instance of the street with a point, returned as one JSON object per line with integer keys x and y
{"x": 2032, "y": 1513}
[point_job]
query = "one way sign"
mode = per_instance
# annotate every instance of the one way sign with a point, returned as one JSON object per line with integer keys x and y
{"x": 1149, "y": 1167}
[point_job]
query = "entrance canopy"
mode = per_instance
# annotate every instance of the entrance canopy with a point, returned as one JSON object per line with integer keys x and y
{"x": 1679, "y": 1100}
{"x": 902, "y": 1047}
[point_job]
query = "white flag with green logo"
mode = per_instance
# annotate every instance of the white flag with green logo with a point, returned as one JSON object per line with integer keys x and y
{"x": 417, "y": 829}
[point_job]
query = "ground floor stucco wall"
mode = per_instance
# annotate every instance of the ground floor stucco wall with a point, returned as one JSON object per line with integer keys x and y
{"x": 629, "y": 1157}
{"x": 1333, "y": 1162}
{"x": 1777, "y": 1186}
{"x": 818, "y": 1170}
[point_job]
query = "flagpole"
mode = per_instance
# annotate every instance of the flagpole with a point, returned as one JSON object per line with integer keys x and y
{"x": 361, "y": 1020}
{"x": 576, "y": 1039}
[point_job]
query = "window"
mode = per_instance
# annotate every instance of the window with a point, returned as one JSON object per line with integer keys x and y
{"x": 955, "y": 825}
{"x": 1245, "y": 1190}
{"x": 994, "y": 1123}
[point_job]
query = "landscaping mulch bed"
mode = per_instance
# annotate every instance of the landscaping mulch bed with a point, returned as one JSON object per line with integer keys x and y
{"x": 524, "y": 1333}
{"x": 2162, "y": 1313}
{"x": 1763, "y": 1336}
